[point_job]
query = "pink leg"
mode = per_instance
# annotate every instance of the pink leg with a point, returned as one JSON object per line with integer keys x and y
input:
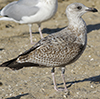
{"x": 30, "y": 30}
{"x": 40, "y": 31}
{"x": 54, "y": 82}
{"x": 63, "y": 78}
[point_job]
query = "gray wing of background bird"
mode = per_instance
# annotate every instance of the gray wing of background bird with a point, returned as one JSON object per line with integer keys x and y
{"x": 18, "y": 9}
{"x": 28, "y": 2}
{"x": 58, "y": 49}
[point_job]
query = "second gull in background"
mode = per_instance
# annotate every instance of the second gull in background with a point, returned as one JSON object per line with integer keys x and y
{"x": 29, "y": 12}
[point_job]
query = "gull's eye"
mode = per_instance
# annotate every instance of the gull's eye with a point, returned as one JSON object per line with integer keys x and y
{"x": 79, "y": 7}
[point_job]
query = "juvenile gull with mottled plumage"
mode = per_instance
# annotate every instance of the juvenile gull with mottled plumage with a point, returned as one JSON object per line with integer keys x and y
{"x": 30, "y": 11}
{"x": 58, "y": 49}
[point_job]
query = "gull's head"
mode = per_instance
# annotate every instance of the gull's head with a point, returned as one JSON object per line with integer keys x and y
{"x": 78, "y": 9}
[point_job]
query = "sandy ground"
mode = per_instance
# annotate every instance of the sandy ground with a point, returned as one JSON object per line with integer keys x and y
{"x": 82, "y": 77}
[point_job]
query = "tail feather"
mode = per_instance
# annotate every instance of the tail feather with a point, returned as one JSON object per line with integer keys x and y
{"x": 11, "y": 64}
{"x": 14, "y": 65}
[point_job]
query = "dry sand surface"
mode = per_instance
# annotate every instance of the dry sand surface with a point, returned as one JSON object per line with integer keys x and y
{"x": 82, "y": 77}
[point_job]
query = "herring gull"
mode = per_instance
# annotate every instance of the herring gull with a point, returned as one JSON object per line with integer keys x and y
{"x": 29, "y": 12}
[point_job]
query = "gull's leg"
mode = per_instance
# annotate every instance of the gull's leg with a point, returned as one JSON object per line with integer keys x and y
{"x": 30, "y": 30}
{"x": 53, "y": 78}
{"x": 40, "y": 31}
{"x": 63, "y": 78}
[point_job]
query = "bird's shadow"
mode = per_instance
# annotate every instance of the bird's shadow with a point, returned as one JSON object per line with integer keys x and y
{"x": 92, "y": 27}
{"x": 50, "y": 31}
{"x": 94, "y": 79}
{"x": 47, "y": 31}
{"x": 19, "y": 96}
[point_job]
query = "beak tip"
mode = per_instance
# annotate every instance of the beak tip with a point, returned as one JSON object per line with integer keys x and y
{"x": 94, "y": 10}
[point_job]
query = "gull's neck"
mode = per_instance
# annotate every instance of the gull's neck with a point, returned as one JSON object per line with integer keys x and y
{"x": 77, "y": 22}
{"x": 78, "y": 27}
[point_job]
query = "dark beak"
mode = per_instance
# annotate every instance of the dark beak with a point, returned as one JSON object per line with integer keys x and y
{"x": 92, "y": 9}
